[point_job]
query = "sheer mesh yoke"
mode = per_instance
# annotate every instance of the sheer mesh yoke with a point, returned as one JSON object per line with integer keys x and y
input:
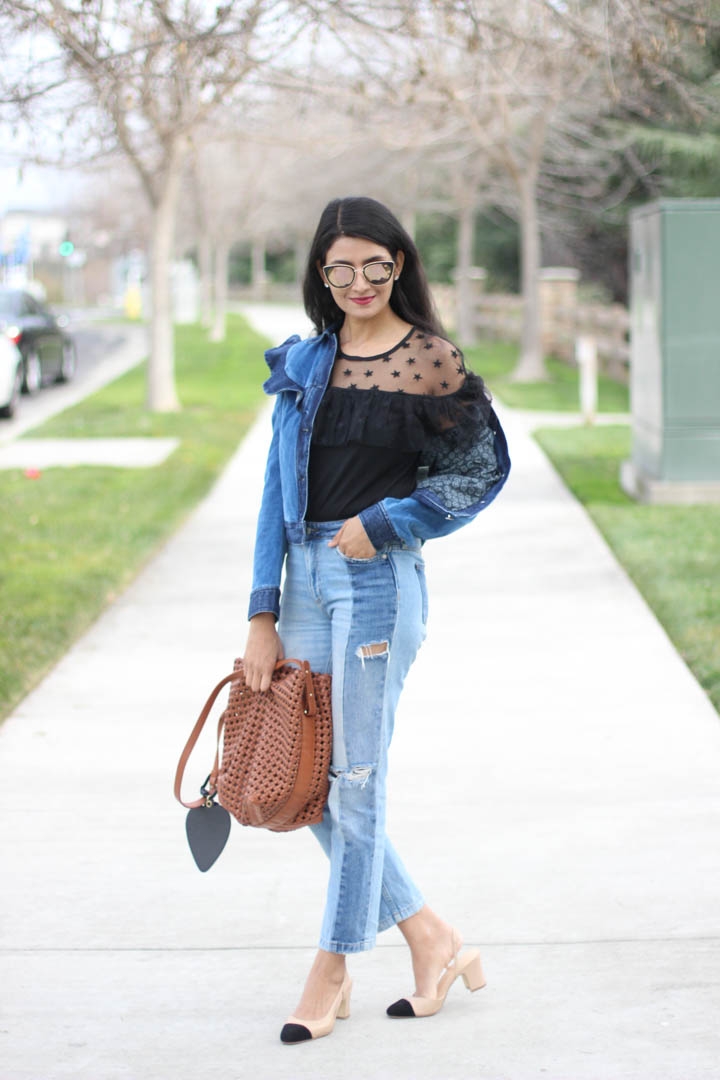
{"x": 419, "y": 364}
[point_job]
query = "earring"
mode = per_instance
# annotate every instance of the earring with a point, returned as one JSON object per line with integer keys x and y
{"x": 397, "y": 276}
{"x": 327, "y": 286}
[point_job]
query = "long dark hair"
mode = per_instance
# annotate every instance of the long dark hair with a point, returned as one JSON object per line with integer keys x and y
{"x": 368, "y": 219}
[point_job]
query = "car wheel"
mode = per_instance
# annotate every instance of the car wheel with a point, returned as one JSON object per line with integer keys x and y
{"x": 32, "y": 377}
{"x": 68, "y": 363}
{"x": 11, "y": 407}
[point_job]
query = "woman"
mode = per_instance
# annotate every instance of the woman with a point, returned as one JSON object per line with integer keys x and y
{"x": 381, "y": 440}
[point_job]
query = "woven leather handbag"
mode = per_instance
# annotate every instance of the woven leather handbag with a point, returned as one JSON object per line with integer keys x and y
{"x": 276, "y": 749}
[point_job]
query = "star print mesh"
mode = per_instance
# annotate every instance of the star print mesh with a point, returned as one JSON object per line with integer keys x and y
{"x": 419, "y": 364}
{"x": 379, "y": 413}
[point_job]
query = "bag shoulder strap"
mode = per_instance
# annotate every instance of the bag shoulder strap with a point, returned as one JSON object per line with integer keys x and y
{"x": 200, "y": 724}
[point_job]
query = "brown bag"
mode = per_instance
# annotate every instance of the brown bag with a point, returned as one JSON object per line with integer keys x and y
{"x": 276, "y": 749}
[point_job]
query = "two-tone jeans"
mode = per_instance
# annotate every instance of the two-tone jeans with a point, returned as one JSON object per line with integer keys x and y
{"x": 363, "y": 621}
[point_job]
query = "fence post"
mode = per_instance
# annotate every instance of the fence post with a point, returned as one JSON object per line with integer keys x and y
{"x": 586, "y": 356}
{"x": 558, "y": 301}
{"x": 469, "y": 286}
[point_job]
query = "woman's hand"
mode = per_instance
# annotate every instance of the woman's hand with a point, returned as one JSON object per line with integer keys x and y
{"x": 263, "y": 650}
{"x": 352, "y": 540}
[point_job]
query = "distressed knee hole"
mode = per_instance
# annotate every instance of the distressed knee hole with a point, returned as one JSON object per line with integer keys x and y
{"x": 358, "y": 774}
{"x": 369, "y": 652}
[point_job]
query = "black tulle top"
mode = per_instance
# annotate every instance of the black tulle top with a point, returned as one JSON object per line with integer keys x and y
{"x": 376, "y": 417}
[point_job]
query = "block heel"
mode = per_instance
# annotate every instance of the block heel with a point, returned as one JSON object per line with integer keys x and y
{"x": 473, "y": 976}
{"x": 344, "y": 1010}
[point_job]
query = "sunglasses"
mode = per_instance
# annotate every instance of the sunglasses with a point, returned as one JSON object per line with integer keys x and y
{"x": 342, "y": 276}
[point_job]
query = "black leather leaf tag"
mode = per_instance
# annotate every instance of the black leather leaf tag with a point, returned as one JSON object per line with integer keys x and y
{"x": 207, "y": 828}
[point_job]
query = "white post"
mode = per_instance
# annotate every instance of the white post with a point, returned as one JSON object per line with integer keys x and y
{"x": 586, "y": 356}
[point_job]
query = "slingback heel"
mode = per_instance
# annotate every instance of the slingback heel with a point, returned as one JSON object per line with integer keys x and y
{"x": 296, "y": 1030}
{"x": 466, "y": 964}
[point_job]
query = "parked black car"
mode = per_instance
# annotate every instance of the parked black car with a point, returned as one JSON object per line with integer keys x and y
{"x": 48, "y": 352}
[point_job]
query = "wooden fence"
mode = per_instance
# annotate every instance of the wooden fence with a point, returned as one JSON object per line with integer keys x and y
{"x": 563, "y": 319}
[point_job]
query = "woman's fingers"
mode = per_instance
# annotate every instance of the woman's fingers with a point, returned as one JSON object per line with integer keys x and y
{"x": 259, "y": 670}
{"x": 262, "y": 651}
{"x": 259, "y": 677}
{"x": 352, "y": 540}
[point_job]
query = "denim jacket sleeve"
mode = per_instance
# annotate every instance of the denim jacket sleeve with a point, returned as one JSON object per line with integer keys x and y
{"x": 457, "y": 482}
{"x": 270, "y": 536}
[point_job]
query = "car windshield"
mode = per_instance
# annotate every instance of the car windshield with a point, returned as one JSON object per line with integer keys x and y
{"x": 9, "y": 302}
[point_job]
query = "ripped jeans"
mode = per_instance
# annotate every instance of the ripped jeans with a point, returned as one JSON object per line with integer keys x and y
{"x": 363, "y": 620}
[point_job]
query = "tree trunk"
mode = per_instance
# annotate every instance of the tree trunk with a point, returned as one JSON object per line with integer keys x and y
{"x": 222, "y": 258}
{"x": 531, "y": 365}
{"x": 465, "y": 327}
{"x": 161, "y": 392}
{"x": 259, "y": 277}
{"x": 409, "y": 222}
{"x": 205, "y": 267}
{"x": 302, "y": 250}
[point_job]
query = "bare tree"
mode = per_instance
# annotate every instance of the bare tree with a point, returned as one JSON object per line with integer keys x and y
{"x": 497, "y": 77}
{"x": 263, "y": 178}
{"x": 526, "y": 88}
{"x": 140, "y": 76}
{"x": 506, "y": 101}
{"x": 239, "y": 177}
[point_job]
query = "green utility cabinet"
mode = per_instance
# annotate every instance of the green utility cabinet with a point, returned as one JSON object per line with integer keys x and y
{"x": 675, "y": 351}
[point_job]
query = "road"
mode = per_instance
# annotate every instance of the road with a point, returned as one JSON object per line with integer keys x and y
{"x": 104, "y": 351}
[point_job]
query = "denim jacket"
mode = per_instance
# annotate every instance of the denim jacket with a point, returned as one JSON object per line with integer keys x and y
{"x": 454, "y": 484}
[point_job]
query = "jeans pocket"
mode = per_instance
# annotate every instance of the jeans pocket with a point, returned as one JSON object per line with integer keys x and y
{"x": 359, "y": 562}
{"x": 420, "y": 571}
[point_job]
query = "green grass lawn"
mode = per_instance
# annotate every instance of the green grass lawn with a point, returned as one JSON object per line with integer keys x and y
{"x": 495, "y": 360}
{"x": 71, "y": 540}
{"x": 672, "y": 553}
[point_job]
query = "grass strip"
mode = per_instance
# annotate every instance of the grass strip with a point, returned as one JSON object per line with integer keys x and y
{"x": 72, "y": 539}
{"x": 495, "y": 360}
{"x": 672, "y": 553}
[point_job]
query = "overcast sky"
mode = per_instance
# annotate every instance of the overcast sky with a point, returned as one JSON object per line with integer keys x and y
{"x": 38, "y": 189}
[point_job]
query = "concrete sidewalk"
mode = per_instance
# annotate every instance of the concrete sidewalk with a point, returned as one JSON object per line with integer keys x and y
{"x": 554, "y": 789}
{"x": 123, "y": 453}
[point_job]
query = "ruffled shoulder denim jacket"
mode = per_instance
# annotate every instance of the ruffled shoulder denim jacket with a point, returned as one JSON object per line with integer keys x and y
{"x": 457, "y": 477}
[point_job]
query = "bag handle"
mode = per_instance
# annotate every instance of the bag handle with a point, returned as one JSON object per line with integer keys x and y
{"x": 311, "y": 710}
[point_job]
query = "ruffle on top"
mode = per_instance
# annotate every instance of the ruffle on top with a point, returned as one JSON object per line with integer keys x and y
{"x": 401, "y": 421}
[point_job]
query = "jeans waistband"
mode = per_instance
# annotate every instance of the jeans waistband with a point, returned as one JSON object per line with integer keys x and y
{"x": 299, "y": 532}
{"x": 302, "y": 532}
